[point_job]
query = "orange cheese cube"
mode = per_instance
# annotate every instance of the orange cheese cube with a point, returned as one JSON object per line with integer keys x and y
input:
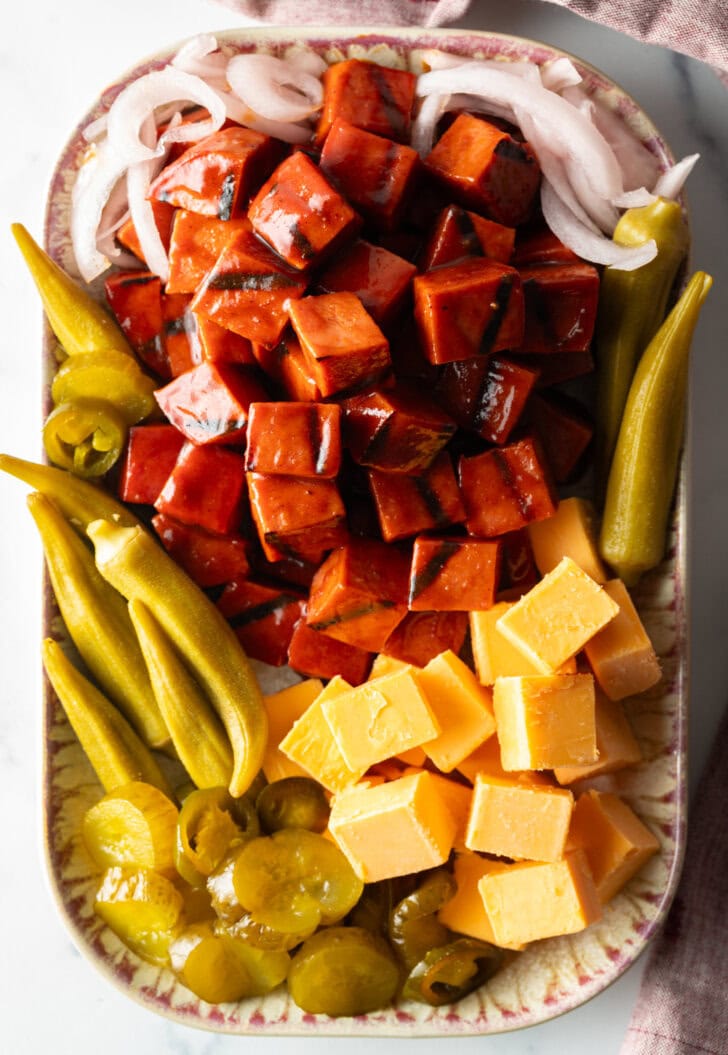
{"x": 486, "y": 759}
{"x": 616, "y": 743}
{"x": 283, "y": 708}
{"x": 494, "y": 655}
{"x": 462, "y": 707}
{"x": 571, "y": 532}
{"x": 557, "y": 616}
{"x": 457, "y": 797}
{"x": 621, "y": 655}
{"x": 386, "y": 665}
{"x": 465, "y": 912}
{"x": 379, "y": 719}
{"x": 310, "y": 745}
{"x": 616, "y": 842}
{"x": 517, "y": 820}
{"x": 393, "y": 829}
{"x": 545, "y": 721}
{"x": 532, "y": 900}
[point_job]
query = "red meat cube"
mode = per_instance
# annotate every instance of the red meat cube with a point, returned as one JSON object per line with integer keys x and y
{"x": 458, "y": 233}
{"x": 560, "y": 306}
{"x": 181, "y": 346}
{"x": 217, "y": 175}
{"x": 486, "y": 395}
{"x": 294, "y": 439}
{"x": 381, "y": 280}
{"x": 564, "y": 429}
{"x": 210, "y": 560}
{"x": 506, "y": 488}
{"x": 557, "y": 367}
{"x": 451, "y": 574}
{"x": 218, "y": 345}
{"x": 342, "y": 344}
{"x": 375, "y": 174}
{"x": 248, "y": 290}
{"x": 207, "y": 488}
{"x": 539, "y": 245}
{"x": 209, "y": 404}
{"x": 296, "y": 517}
{"x": 317, "y": 655}
{"x": 486, "y": 169}
{"x": 135, "y": 298}
{"x": 468, "y": 309}
{"x": 163, "y": 218}
{"x": 423, "y": 635}
{"x": 300, "y": 215}
{"x": 195, "y": 244}
{"x": 428, "y": 501}
{"x": 396, "y": 429}
{"x": 151, "y": 454}
{"x": 359, "y": 594}
{"x": 263, "y": 617}
{"x": 373, "y": 97}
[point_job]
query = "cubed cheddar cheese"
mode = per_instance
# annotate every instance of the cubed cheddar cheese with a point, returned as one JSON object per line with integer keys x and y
{"x": 486, "y": 759}
{"x": 283, "y": 709}
{"x": 465, "y": 912}
{"x": 621, "y": 655}
{"x": 494, "y": 655}
{"x": 616, "y": 842}
{"x": 380, "y": 719}
{"x": 513, "y": 819}
{"x": 457, "y": 797}
{"x": 616, "y": 743}
{"x": 571, "y": 532}
{"x": 389, "y": 665}
{"x": 545, "y": 721}
{"x": 462, "y": 707}
{"x": 311, "y": 747}
{"x": 393, "y": 829}
{"x": 540, "y": 899}
{"x": 555, "y": 619}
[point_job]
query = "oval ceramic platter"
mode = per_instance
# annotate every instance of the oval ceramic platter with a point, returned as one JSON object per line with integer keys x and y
{"x": 549, "y": 977}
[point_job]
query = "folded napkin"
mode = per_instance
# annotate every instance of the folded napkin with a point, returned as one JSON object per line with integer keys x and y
{"x": 682, "y": 1006}
{"x": 695, "y": 27}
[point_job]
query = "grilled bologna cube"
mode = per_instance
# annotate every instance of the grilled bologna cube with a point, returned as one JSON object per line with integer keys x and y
{"x": 263, "y": 617}
{"x": 380, "y": 279}
{"x": 318, "y": 655}
{"x": 560, "y": 305}
{"x": 151, "y": 454}
{"x": 486, "y": 395}
{"x": 294, "y": 439}
{"x": 373, "y": 97}
{"x": 220, "y": 345}
{"x": 195, "y": 244}
{"x": 426, "y": 501}
{"x": 486, "y": 169}
{"x": 209, "y": 404}
{"x": 296, "y": 517}
{"x": 217, "y": 175}
{"x": 211, "y": 560}
{"x": 564, "y": 429}
{"x": 449, "y": 573}
{"x": 207, "y": 488}
{"x": 506, "y": 488}
{"x": 458, "y": 233}
{"x": 135, "y": 298}
{"x": 163, "y": 213}
{"x": 423, "y": 635}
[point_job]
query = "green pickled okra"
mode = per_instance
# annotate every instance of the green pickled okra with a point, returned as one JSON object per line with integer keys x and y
{"x": 98, "y": 622}
{"x": 114, "y": 750}
{"x": 644, "y": 467}
{"x": 195, "y": 729}
{"x": 78, "y": 321}
{"x": 131, "y": 560}
{"x": 78, "y": 500}
{"x": 632, "y": 305}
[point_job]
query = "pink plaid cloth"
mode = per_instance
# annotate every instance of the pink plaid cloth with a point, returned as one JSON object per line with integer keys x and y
{"x": 695, "y": 27}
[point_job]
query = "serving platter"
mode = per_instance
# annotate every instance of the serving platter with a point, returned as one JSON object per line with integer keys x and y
{"x": 548, "y": 978}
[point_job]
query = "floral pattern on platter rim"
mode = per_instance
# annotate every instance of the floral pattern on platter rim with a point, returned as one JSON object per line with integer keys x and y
{"x": 548, "y": 978}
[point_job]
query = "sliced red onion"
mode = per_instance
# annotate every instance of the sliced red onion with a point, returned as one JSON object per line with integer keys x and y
{"x": 138, "y": 180}
{"x": 476, "y": 105}
{"x": 237, "y": 111}
{"x": 634, "y": 199}
{"x": 305, "y": 60}
{"x": 566, "y": 126}
{"x": 585, "y": 242}
{"x": 95, "y": 129}
{"x": 142, "y": 97}
{"x": 429, "y": 113}
{"x": 95, "y": 182}
{"x": 560, "y": 74}
{"x": 201, "y": 57}
{"x": 273, "y": 88}
{"x": 603, "y": 212}
{"x": 670, "y": 183}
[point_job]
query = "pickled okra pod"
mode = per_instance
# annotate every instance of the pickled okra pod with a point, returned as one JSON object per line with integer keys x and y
{"x": 632, "y": 305}
{"x": 78, "y": 321}
{"x": 131, "y": 560}
{"x": 114, "y": 750}
{"x": 644, "y": 467}
{"x": 98, "y": 622}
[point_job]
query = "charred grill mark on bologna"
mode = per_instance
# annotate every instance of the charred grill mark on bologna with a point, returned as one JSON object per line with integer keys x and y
{"x": 394, "y": 115}
{"x": 522, "y": 500}
{"x": 227, "y": 198}
{"x": 432, "y": 569}
{"x": 466, "y": 229}
{"x": 430, "y": 500}
{"x": 315, "y": 439}
{"x": 138, "y": 280}
{"x": 262, "y": 610}
{"x": 354, "y": 613}
{"x": 301, "y": 243}
{"x": 250, "y": 280}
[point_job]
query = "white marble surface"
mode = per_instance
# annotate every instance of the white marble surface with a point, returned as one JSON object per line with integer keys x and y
{"x": 54, "y": 58}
